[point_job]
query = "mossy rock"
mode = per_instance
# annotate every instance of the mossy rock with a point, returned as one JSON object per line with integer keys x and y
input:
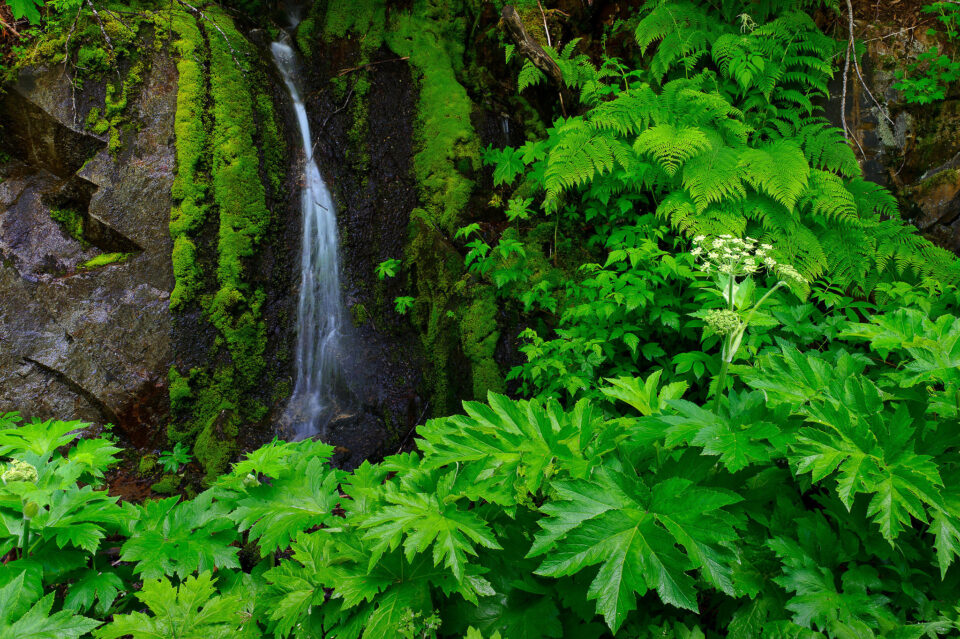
{"x": 148, "y": 463}
{"x": 168, "y": 484}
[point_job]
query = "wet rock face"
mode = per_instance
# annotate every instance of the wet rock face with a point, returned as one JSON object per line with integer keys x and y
{"x": 912, "y": 149}
{"x": 371, "y": 179}
{"x": 79, "y": 342}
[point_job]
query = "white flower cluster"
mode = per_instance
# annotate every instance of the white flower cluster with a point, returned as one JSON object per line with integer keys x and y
{"x": 739, "y": 257}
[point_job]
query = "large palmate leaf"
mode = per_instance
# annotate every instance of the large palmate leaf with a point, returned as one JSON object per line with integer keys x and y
{"x": 424, "y": 518}
{"x": 301, "y": 497}
{"x": 180, "y": 539}
{"x": 644, "y": 538}
{"x": 372, "y": 599}
{"x": 91, "y": 586}
{"x": 22, "y": 615}
{"x": 190, "y": 611}
{"x": 40, "y": 438}
{"x": 515, "y": 447}
{"x": 745, "y": 432}
{"x": 871, "y": 449}
{"x": 933, "y": 347}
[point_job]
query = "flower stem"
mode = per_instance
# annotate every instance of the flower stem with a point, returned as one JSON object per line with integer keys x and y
{"x": 721, "y": 382}
{"x": 25, "y": 540}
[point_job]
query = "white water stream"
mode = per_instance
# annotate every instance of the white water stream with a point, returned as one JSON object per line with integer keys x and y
{"x": 320, "y": 308}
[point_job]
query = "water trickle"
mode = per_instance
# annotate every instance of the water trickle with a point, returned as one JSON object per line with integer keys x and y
{"x": 320, "y": 308}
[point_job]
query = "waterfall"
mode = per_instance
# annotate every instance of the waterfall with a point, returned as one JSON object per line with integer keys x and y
{"x": 320, "y": 309}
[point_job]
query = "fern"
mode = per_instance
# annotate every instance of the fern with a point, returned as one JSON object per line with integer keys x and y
{"x": 671, "y": 146}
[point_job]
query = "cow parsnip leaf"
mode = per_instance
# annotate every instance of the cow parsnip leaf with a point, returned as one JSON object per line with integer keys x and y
{"x": 191, "y": 610}
{"x": 644, "y": 538}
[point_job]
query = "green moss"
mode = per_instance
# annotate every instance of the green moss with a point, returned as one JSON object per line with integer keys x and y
{"x": 147, "y": 464}
{"x": 363, "y": 19}
{"x": 272, "y": 142}
{"x": 92, "y": 59}
{"x": 167, "y": 485}
{"x": 105, "y": 259}
{"x": 360, "y": 314}
{"x": 438, "y": 270}
{"x": 95, "y": 123}
{"x": 117, "y": 99}
{"x": 180, "y": 391}
{"x": 72, "y": 224}
{"x": 445, "y": 136}
{"x": 216, "y": 442}
{"x": 446, "y": 150}
{"x": 305, "y": 33}
{"x": 191, "y": 185}
{"x": 223, "y": 118}
{"x": 479, "y": 336}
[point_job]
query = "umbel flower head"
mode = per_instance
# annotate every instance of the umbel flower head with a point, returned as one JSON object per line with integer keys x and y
{"x": 739, "y": 257}
{"x": 20, "y": 471}
{"x": 722, "y": 320}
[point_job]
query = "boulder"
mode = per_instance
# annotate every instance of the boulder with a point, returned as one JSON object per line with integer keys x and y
{"x": 76, "y": 342}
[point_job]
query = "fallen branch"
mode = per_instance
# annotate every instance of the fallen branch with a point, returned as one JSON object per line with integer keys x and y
{"x": 233, "y": 52}
{"x": 370, "y": 64}
{"x": 529, "y": 47}
{"x": 323, "y": 125}
{"x": 100, "y": 24}
{"x": 9, "y": 27}
{"x": 851, "y": 52}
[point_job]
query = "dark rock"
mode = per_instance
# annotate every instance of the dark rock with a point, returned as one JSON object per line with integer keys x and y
{"x": 87, "y": 344}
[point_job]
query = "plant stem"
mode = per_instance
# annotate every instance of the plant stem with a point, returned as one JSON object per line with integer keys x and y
{"x": 721, "y": 381}
{"x": 25, "y": 539}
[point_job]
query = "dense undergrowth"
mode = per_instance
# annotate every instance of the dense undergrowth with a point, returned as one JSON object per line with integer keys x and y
{"x": 737, "y": 415}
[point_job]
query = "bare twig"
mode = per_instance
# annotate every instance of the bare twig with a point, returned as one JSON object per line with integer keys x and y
{"x": 233, "y": 52}
{"x": 414, "y": 428}
{"x": 100, "y": 24}
{"x": 327, "y": 119}
{"x": 124, "y": 24}
{"x": 843, "y": 94}
{"x": 370, "y": 64}
{"x": 856, "y": 65}
{"x": 546, "y": 30}
{"x": 73, "y": 27}
{"x": 9, "y": 27}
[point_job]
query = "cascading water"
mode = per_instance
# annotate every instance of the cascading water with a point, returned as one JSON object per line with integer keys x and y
{"x": 320, "y": 308}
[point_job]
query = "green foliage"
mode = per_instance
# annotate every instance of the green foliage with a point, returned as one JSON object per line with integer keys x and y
{"x": 172, "y": 460}
{"x": 105, "y": 259}
{"x": 189, "y": 611}
{"x": 402, "y": 304}
{"x": 930, "y": 76}
{"x": 72, "y": 224}
{"x": 802, "y": 483}
{"x": 387, "y": 268}
{"x": 28, "y": 9}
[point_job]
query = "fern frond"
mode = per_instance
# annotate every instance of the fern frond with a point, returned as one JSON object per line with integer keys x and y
{"x": 530, "y": 76}
{"x": 828, "y": 200}
{"x": 581, "y": 153}
{"x": 826, "y": 148}
{"x": 714, "y": 177}
{"x": 671, "y": 146}
{"x": 872, "y": 199}
{"x": 628, "y": 114}
{"x": 777, "y": 169}
{"x": 685, "y": 32}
